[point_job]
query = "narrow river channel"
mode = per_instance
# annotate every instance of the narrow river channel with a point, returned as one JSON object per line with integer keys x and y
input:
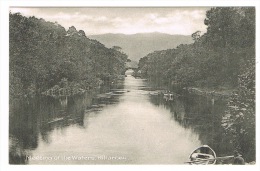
{"x": 130, "y": 124}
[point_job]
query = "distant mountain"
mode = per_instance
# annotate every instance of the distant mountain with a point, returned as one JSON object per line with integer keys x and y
{"x": 139, "y": 45}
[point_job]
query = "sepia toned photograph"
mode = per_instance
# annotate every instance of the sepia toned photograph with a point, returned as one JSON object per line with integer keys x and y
{"x": 132, "y": 85}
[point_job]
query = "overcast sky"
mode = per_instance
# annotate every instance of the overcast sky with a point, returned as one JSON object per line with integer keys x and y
{"x": 183, "y": 21}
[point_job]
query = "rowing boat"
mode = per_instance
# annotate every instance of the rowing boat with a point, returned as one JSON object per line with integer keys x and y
{"x": 203, "y": 155}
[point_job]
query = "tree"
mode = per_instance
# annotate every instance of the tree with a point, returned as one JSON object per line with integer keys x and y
{"x": 239, "y": 120}
{"x": 117, "y": 48}
{"x": 196, "y": 36}
{"x": 230, "y": 27}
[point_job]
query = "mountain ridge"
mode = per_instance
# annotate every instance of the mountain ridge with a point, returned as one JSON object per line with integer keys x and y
{"x": 139, "y": 45}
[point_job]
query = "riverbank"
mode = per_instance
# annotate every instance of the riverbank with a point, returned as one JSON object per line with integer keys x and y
{"x": 213, "y": 93}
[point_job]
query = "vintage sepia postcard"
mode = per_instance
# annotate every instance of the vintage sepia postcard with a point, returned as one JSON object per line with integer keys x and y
{"x": 131, "y": 85}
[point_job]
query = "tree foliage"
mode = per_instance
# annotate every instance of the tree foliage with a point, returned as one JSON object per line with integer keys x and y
{"x": 239, "y": 119}
{"x": 214, "y": 60}
{"x": 42, "y": 54}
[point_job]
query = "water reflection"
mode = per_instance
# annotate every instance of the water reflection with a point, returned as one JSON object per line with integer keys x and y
{"x": 128, "y": 119}
{"x": 202, "y": 116}
{"x": 34, "y": 119}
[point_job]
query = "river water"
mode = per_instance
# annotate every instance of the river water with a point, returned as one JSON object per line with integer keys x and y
{"x": 130, "y": 123}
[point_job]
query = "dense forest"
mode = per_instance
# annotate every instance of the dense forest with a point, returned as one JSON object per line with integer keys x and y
{"x": 221, "y": 60}
{"x": 47, "y": 59}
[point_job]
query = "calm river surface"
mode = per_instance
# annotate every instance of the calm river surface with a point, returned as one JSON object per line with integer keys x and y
{"x": 128, "y": 124}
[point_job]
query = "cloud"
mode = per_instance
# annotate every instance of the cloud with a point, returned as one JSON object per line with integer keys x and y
{"x": 124, "y": 20}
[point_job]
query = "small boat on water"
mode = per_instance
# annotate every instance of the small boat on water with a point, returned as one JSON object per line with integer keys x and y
{"x": 203, "y": 155}
{"x": 168, "y": 97}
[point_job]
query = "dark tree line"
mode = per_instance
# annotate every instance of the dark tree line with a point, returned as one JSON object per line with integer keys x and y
{"x": 44, "y": 56}
{"x": 221, "y": 59}
{"x": 214, "y": 60}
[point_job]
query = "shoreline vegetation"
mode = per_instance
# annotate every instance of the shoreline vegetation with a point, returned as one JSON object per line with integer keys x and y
{"x": 219, "y": 64}
{"x": 213, "y": 94}
{"x": 47, "y": 59}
